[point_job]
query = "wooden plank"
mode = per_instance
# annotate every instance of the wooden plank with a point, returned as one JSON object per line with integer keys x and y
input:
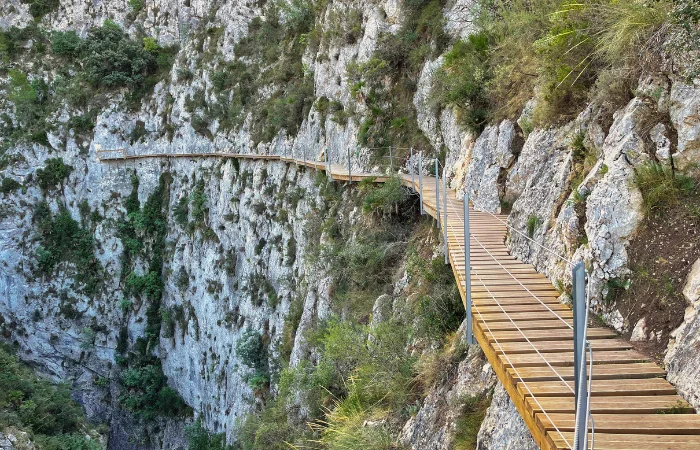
{"x": 567, "y": 359}
{"x": 562, "y": 345}
{"x": 607, "y": 441}
{"x": 527, "y": 325}
{"x": 516, "y": 316}
{"x": 600, "y": 372}
{"x": 517, "y": 307}
{"x": 545, "y": 335}
{"x": 615, "y": 387}
{"x": 663, "y": 424}
{"x": 636, "y": 404}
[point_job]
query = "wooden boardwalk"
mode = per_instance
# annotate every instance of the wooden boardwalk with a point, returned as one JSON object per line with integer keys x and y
{"x": 527, "y": 337}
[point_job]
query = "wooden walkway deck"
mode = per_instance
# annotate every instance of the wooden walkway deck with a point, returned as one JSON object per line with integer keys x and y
{"x": 527, "y": 337}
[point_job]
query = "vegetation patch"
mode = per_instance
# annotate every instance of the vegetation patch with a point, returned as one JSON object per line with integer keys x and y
{"x": 563, "y": 53}
{"x": 41, "y": 408}
{"x": 63, "y": 239}
{"x": 145, "y": 390}
{"x": 86, "y": 73}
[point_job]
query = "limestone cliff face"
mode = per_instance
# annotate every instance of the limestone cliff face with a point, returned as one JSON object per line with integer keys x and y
{"x": 253, "y": 239}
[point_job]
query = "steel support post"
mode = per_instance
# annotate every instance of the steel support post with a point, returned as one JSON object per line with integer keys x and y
{"x": 437, "y": 193}
{"x": 391, "y": 161}
{"x": 420, "y": 181}
{"x": 413, "y": 171}
{"x": 467, "y": 271}
{"x": 580, "y": 384}
{"x": 444, "y": 215}
{"x": 329, "y": 163}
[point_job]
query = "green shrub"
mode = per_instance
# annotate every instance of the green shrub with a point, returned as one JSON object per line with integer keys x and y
{"x": 44, "y": 409}
{"x": 148, "y": 393}
{"x": 461, "y": 80}
{"x": 661, "y": 187}
{"x": 65, "y": 43}
{"x": 8, "y": 185}
{"x": 136, "y": 5}
{"x": 384, "y": 198}
{"x": 181, "y": 211}
{"x": 39, "y": 8}
{"x": 62, "y": 238}
{"x": 112, "y": 59}
{"x": 252, "y": 350}
{"x": 199, "y": 202}
{"x": 199, "y": 438}
{"x": 53, "y": 173}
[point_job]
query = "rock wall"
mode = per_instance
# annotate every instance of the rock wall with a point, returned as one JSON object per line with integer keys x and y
{"x": 533, "y": 173}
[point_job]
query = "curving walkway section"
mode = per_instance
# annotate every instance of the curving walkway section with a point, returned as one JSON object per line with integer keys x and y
{"x": 527, "y": 336}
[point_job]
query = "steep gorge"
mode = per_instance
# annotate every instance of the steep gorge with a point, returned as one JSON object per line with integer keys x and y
{"x": 212, "y": 291}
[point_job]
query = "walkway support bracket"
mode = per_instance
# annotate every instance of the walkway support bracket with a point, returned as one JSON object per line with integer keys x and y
{"x": 580, "y": 382}
{"x": 467, "y": 271}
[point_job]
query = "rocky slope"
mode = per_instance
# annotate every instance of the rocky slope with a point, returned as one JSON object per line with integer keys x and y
{"x": 241, "y": 261}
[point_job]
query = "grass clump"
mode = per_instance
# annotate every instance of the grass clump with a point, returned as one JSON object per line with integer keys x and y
{"x": 532, "y": 224}
{"x": 661, "y": 186}
{"x": 469, "y": 422}
{"x": 563, "y": 53}
{"x": 461, "y": 80}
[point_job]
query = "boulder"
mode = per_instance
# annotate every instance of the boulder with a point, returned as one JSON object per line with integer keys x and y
{"x": 684, "y": 109}
{"x": 503, "y": 428}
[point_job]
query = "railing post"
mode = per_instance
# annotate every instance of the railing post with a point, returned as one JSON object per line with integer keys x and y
{"x": 467, "y": 271}
{"x": 391, "y": 161}
{"x": 304, "y": 153}
{"x": 413, "y": 171}
{"x": 580, "y": 384}
{"x": 437, "y": 193}
{"x": 349, "y": 164}
{"x": 420, "y": 181}
{"x": 328, "y": 165}
{"x": 444, "y": 215}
